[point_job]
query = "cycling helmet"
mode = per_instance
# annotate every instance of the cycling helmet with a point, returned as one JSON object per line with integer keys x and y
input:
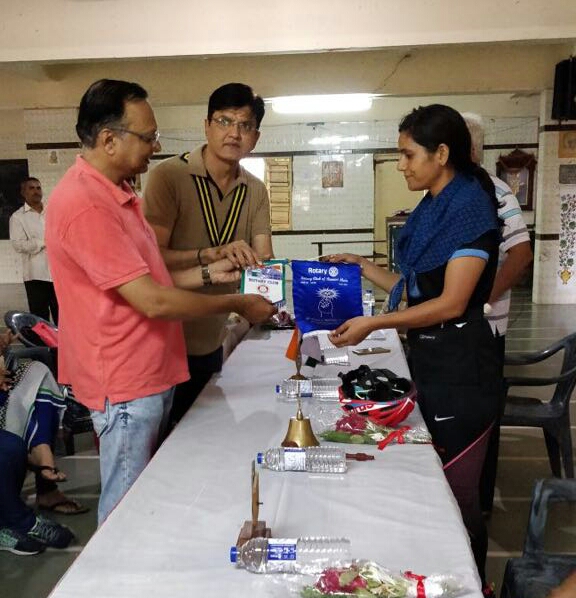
{"x": 379, "y": 394}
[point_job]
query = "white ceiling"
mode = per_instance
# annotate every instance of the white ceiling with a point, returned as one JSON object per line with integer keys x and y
{"x": 41, "y": 30}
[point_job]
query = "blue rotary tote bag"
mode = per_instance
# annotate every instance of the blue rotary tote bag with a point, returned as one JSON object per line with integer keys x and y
{"x": 325, "y": 295}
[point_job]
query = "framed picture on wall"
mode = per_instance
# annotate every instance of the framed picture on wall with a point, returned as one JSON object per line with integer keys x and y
{"x": 332, "y": 174}
{"x": 567, "y": 144}
{"x": 12, "y": 173}
{"x": 517, "y": 170}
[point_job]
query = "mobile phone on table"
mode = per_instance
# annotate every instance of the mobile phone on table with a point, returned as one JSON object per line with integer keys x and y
{"x": 370, "y": 351}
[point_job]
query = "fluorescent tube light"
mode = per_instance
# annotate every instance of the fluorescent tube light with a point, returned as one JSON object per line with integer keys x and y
{"x": 322, "y": 104}
{"x": 337, "y": 140}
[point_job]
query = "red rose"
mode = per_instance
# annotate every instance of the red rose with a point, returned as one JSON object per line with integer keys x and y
{"x": 357, "y": 582}
{"x": 329, "y": 581}
{"x": 352, "y": 423}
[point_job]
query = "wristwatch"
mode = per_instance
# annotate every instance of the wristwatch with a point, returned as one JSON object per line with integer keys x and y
{"x": 206, "y": 280}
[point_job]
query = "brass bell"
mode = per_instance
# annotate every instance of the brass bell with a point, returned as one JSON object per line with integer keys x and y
{"x": 300, "y": 432}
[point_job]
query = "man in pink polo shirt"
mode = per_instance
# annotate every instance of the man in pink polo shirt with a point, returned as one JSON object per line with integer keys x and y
{"x": 121, "y": 345}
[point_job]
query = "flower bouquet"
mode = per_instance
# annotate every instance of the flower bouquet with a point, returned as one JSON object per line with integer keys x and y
{"x": 365, "y": 579}
{"x": 356, "y": 429}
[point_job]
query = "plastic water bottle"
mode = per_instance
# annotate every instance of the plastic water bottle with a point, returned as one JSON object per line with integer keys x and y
{"x": 368, "y": 303}
{"x": 317, "y": 459}
{"x": 302, "y": 555}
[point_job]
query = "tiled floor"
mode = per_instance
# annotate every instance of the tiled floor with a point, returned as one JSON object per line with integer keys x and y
{"x": 522, "y": 461}
{"x": 523, "y": 457}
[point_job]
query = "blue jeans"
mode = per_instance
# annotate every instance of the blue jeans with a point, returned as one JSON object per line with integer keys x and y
{"x": 14, "y": 514}
{"x": 129, "y": 435}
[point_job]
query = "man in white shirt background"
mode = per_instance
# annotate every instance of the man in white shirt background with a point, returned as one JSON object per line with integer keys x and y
{"x": 27, "y": 236}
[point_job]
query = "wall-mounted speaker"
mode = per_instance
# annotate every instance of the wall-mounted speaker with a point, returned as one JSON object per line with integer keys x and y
{"x": 564, "y": 100}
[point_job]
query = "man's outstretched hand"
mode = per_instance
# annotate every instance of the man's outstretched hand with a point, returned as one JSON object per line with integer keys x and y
{"x": 255, "y": 308}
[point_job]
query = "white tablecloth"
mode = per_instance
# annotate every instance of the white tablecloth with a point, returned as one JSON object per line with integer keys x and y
{"x": 170, "y": 536}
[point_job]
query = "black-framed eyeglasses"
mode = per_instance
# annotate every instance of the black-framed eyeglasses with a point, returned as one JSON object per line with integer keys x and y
{"x": 245, "y": 126}
{"x": 150, "y": 138}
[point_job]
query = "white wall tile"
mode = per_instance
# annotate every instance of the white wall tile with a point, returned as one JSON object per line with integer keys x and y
{"x": 10, "y": 263}
{"x": 304, "y": 247}
{"x": 350, "y": 206}
{"x": 50, "y": 126}
{"x": 315, "y": 208}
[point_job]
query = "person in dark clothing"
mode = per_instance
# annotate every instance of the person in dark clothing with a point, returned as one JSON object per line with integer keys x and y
{"x": 448, "y": 255}
{"x": 31, "y": 406}
{"x": 21, "y": 530}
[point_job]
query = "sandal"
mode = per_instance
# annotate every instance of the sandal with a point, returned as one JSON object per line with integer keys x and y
{"x": 60, "y": 507}
{"x": 41, "y": 468}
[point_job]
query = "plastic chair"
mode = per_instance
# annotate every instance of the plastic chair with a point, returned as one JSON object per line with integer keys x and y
{"x": 22, "y": 324}
{"x": 76, "y": 419}
{"x": 536, "y": 572}
{"x": 552, "y": 416}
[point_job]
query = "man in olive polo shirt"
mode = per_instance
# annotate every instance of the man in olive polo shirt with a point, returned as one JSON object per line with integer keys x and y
{"x": 204, "y": 206}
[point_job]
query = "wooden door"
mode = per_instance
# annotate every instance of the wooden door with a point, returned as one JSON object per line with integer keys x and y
{"x": 390, "y": 196}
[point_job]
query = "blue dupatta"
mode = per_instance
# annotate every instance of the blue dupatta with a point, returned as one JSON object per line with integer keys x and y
{"x": 440, "y": 225}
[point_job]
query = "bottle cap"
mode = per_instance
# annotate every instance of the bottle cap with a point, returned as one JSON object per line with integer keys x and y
{"x": 233, "y": 554}
{"x": 259, "y": 458}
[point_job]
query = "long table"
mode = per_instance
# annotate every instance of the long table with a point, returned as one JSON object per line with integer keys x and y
{"x": 170, "y": 536}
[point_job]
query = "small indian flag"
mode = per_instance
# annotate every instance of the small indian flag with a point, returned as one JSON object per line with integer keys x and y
{"x": 292, "y": 349}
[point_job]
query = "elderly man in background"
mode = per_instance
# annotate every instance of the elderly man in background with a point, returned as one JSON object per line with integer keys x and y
{"x": 27, "y": 236}
{"x": 204, "y": 206}
{"x": 514, "y": 258}
{"x": 121, "y": 346}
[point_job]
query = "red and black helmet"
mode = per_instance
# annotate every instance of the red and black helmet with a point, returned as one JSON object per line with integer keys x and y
{"x": 379, "y": 394}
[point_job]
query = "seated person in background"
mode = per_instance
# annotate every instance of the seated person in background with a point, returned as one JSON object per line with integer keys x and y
{"x": 31, "y": 406}
{"x": 21, "y": 530}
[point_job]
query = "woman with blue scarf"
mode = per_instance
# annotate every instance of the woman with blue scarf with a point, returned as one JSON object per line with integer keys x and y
{"x": 447, "y": 253}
